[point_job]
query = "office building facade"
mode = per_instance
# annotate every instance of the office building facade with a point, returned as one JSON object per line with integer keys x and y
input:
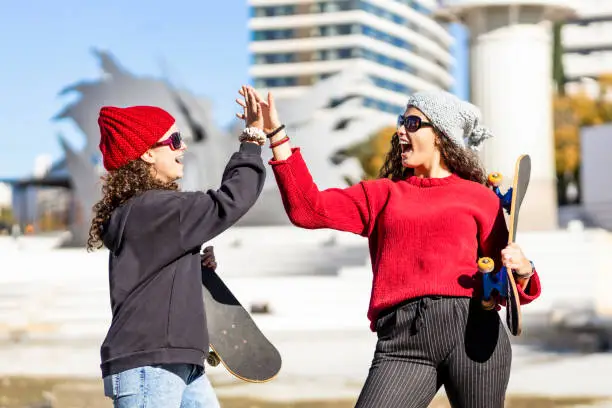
{"x": 295, "y": 43}
{"x": 587, "y": 45}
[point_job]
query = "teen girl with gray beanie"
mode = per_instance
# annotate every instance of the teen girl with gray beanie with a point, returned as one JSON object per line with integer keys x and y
{"x": 427, "y": 220}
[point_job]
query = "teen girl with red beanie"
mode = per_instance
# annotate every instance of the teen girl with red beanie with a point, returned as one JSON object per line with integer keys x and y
{"x": 427, "y": 219}
{"x": 154, "y": 351}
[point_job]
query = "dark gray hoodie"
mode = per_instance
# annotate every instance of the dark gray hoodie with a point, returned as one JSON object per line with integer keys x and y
{"x": 154, "y": 267}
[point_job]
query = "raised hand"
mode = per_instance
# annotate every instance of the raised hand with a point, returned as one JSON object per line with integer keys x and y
{"x": 252, "y": 111}
{"x": 267, "y": 108}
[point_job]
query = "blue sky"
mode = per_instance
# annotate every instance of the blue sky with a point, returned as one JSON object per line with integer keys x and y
{"x": 46, "y": 45}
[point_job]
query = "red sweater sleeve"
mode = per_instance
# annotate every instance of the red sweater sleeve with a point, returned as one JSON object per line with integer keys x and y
{"x": 532, "y": 291}
{"x": 348, "y": 209}
{"x": 493, "y": 239}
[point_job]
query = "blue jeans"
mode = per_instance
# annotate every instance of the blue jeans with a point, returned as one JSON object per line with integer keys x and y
{"x": 164, "y": 385}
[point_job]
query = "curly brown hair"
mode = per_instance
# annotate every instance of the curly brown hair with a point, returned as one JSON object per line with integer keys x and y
{"x": 118, "y": 187}
{"x": 460, "y": 161}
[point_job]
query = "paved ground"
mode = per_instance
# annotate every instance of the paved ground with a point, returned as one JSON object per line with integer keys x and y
{"x": 320, "y": 361}
{"x": 324, "y": 366}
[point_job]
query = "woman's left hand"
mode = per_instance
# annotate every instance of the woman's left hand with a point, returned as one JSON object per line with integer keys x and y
{"x": 208, "y": 258}
{"x": 253, "y": 113}
{"x": 514, "y": 259}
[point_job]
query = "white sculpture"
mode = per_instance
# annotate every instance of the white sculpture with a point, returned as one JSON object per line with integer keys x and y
{"x": 323, "y": 120}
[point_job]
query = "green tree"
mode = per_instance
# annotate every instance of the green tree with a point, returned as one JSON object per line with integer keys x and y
{"x": 6, "y": 219}
{"x": 370, "y": 153}
{"x": 557, "y": 59}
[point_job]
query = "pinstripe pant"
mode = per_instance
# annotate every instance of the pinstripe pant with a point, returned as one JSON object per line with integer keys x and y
{"x": 435, "y": 341}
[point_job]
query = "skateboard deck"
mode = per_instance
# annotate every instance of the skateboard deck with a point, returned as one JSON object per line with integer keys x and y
{"x": 503, "y": 281}
{"x": 235, "y": 340}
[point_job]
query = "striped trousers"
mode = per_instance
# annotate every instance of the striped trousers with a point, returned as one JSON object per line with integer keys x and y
{"x": 433, "y": 341}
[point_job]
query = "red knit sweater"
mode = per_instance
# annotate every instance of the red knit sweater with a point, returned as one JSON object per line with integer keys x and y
{"x": 425, "y": 234}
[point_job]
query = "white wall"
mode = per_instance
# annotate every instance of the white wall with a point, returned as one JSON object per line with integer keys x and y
{"x": 595, "y": 178}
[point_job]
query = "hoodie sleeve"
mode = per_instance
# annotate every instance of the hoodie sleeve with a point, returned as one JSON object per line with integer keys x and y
{"x": 204, "y": 215}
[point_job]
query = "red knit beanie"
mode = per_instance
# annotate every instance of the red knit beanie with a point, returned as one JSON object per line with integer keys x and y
{"x": 127, "y": 133}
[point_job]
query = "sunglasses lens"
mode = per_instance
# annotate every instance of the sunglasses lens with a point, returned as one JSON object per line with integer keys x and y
{"x": 177, "y": 141}
{"x": 413, "y": 123}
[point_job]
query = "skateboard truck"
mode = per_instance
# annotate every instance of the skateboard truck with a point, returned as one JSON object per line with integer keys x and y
{"x": 495, "y": 281}
{"x": 492, "y": 282}
{"x": 494, "y": 181}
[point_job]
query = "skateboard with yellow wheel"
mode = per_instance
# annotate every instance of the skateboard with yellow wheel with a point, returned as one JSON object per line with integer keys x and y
{"x": 502, "y": 283}
{"x": 235, "y": 340}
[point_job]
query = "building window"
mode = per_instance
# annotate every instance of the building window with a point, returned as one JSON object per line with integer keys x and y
{"x": 382, "y": 106}
{"x": 409, "y": 3}
{"x": 330, "y": 55}
{"x": 381, "y": 59}
{"x": 334, "y": 6}
{"x": 418, "y": 7}
{"x": 282, "y": 58}
{"x": 268, "y": 35}
{"x": 330, "y": 7}
{"x": 275, "y": 82}
{"x": 340, "y": 6}
{"x": 345, "y": 53}
{"x": 391, "y": 85}
{"x": 273, "y": 11}
{"x": 341, "y": 30}
{"x": 389, "y": 39}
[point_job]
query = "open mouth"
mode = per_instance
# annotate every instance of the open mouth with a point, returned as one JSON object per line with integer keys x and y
{"x": 406, "y": 146}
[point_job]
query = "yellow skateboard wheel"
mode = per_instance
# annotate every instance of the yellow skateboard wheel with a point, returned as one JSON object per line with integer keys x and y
{"x": 213, "y": 359}
{"x": 485, "y": 265}
{"x": 488, "y": 304}
{"x": 495, "y": 179}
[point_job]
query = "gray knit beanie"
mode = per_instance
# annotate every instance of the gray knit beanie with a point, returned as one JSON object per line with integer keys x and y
{"x": 459, "y": 120}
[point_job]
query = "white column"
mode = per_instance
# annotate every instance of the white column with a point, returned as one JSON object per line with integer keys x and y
{"x": 511, "y": 80}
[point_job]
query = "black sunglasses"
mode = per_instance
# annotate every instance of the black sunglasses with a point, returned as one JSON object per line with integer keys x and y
{"x": 175, "y": 141}
{"x": 411, "y": 122}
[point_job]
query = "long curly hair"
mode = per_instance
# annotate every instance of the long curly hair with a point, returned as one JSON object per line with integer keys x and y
{"x": 119, "y": 186}
{"x": 459, "y": 160}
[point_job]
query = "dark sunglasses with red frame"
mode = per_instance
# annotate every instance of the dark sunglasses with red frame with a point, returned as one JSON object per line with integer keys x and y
{"x": 175, "y": 141}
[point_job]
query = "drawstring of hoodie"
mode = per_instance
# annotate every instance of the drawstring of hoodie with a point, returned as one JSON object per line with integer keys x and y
{"x": 418, "y": 321}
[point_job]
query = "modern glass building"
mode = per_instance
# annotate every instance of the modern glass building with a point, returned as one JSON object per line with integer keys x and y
{"x": 294, "y": 43}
